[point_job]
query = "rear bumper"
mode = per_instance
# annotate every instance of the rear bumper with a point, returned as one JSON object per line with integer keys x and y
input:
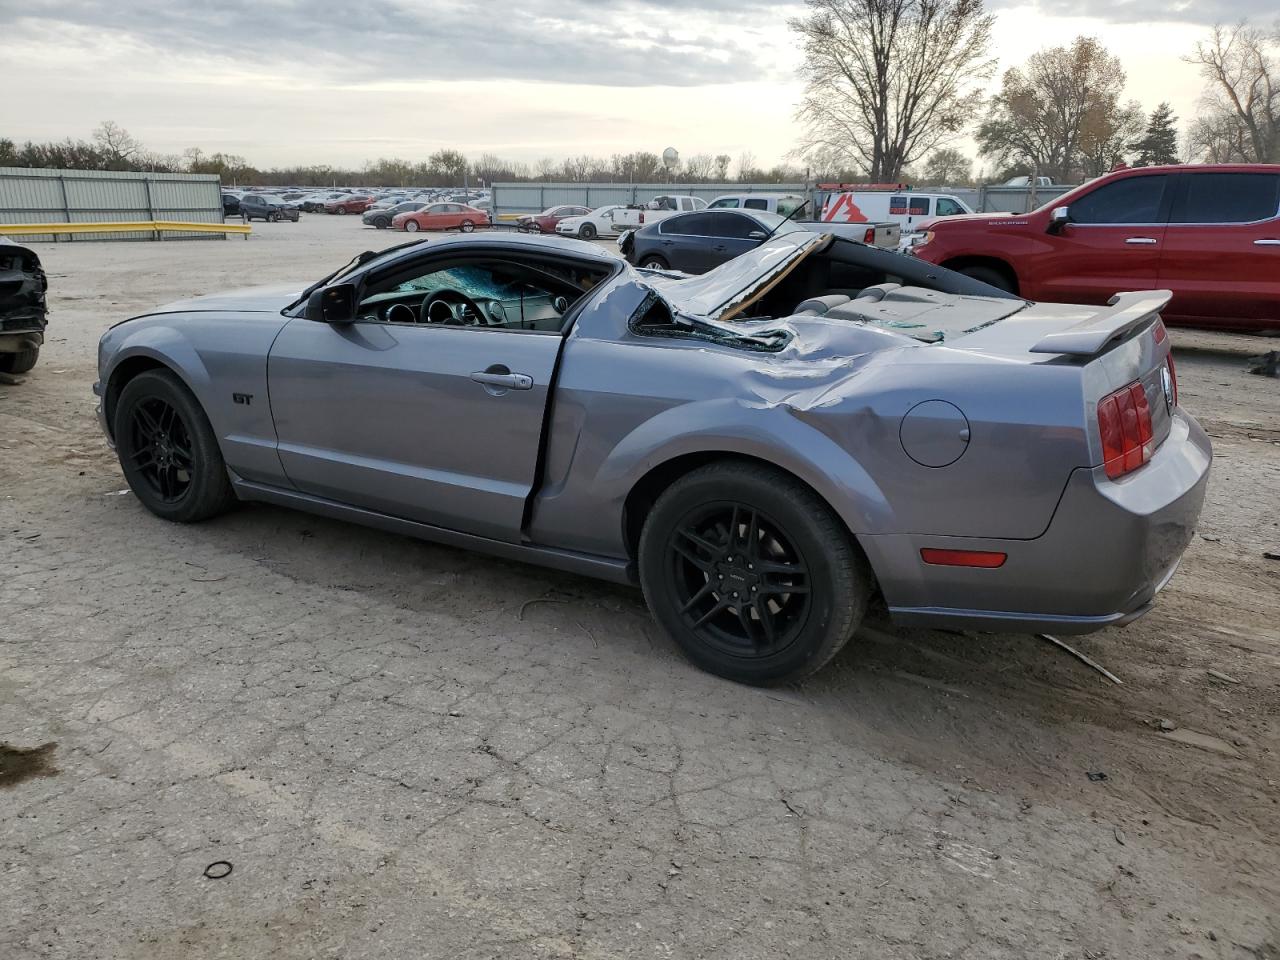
{"x": 1110, "y": 548}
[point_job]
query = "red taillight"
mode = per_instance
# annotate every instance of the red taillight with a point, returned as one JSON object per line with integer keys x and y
{"x": 869, "y": 238}
{"x": 1124, "y": 426}
{"x": 963, "y": 558}
{"x": 1160, "y": 331}
{"x": 642, "y": 218}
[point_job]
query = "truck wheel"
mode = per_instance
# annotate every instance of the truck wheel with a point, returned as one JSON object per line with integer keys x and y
{"x": 168, "y": 451}
{"x": 990, "y": 276}
{"x": 751, "y": 573}
{"x": 19, "y": 362}
{"x": 587, "y": 231}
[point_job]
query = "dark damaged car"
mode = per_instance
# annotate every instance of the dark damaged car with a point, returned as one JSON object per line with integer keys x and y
{"x": 762, "y": 449}
{"x": 23, "y": 311}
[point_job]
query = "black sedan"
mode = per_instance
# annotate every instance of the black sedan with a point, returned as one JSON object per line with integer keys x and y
{"x": 697, "y": 242}
{"x": 381, "y": 217}
{"x": 255, "y": 206}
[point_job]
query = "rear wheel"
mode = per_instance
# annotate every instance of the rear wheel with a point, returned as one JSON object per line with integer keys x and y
{"x": 751, "y": 573}
{"x": 653, "y": 263}
{"x": 342, "y": 211}
{"x": 19, "y": 362}
{"x": 588, "y": 231}
{"x": 168, "y": 451}
{"x": 991, "y": 276}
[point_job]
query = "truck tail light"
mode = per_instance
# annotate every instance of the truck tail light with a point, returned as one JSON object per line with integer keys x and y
{"x": 869, "y": 238}
{"x": 1124, "y": 423}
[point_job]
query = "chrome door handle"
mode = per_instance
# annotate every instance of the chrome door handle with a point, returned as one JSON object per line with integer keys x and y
{"x": 509, "y": 381}
{"x": 1143, "y": 241}
{"x": 1266, "y": 243}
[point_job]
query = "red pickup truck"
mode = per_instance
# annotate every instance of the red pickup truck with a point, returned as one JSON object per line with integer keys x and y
{"x": 1210, "y": 233}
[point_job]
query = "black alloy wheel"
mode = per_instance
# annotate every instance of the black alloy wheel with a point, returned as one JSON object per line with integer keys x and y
{"x": 160, "y": 447}
{"x": 751, "y": 573}
{"x": 587, "y": 231}
{"x": 168, "y": 450}
{"x": 740, "y": 581}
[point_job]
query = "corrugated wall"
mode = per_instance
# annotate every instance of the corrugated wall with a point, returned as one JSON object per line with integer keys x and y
{"x": 103, "y": 196}
{"x": 533, "y": 197}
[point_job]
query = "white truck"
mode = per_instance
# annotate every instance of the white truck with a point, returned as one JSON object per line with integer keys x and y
{"x": 911, "y": 211}
{"x": 659, "y": 208}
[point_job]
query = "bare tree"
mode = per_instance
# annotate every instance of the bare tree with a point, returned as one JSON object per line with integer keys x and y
{"x": 886, "y": 81}
{"x": 545, "y": 168}
{"x": 722, "y": 166}
{"x": 747, "y": 170}
{"x": 117, "y": 145}
{"x": 1241, "y": 109}
{"x": 1041, "y": 113}
{"x": 701, "y": 166}
{"x": 947, "y": 165}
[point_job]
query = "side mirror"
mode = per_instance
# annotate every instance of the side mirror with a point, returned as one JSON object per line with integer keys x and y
{"x": 758, "y": 235}
{"x": 1059, "y": 218}
{"x": 336, "y": 304}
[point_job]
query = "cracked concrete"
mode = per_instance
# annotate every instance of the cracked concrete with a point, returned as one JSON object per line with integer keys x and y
{"x": 401, "y": 757}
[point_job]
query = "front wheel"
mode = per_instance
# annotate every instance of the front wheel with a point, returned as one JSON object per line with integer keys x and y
{"x": 411, "y": 226}
{"x": 19, "y": 362}
{"x": 168, "y": 451}
{"x": 751, "y": 573}
{"x": 467, "y": 226}
{"x": 588, "y": 231}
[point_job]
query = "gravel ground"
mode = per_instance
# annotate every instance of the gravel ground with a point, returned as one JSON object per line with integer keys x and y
{"x": 406, "y": 751}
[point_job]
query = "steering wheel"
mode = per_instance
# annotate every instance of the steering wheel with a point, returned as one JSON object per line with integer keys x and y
{"x": 435, "y": 308}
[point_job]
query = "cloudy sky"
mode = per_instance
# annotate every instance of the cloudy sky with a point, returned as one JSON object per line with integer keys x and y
{"x": 322, "y": 81}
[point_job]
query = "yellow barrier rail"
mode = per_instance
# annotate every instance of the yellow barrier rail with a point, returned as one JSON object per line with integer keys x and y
{"x": 157, "y": 227}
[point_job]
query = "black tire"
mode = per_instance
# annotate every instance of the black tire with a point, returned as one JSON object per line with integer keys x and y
{"x": 162, "y": 436}
{"x": 411, "y": 226}
{"x": 273, "y": 217}
{"x": 19, "y": 362}
{"x": 341, "y": 211}
{"x": 990, "y": 276}
{"x": 587, "y": 231}
{"x": 654, "y": 263}
{"x": 381, "y": 223}
{"x": 787, "y": 537}
{"x": 466, "y": 226}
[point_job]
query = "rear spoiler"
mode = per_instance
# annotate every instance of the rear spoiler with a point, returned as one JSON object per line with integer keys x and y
{"x": 1127, "y": 312}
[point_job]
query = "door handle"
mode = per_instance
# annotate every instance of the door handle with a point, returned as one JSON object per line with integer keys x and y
{"x": 720, "y": 248}
{"x": 1266, "y": 243}
{"x": 1142, "y": 241}
{"x": 667, "y": 243}
{"x": 501, "y": 377}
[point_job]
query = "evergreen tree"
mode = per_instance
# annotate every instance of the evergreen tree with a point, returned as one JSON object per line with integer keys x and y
{"x": 1159, "y": 145}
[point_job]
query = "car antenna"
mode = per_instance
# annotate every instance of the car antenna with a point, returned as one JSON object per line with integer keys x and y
{"x": 785, "y": 219}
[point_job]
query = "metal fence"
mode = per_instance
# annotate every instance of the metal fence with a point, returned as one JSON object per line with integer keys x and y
{"x": 509, "y": 198}
{"x": 513, "y": 198}
{"x": 998, "y": 198}
{"x": 106, "y": 196}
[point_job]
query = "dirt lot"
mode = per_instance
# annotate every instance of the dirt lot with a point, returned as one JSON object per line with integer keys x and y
{"x": 403, "y": 757}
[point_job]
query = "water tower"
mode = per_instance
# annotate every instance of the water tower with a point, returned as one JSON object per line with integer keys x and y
{"x": 670, "y": 160}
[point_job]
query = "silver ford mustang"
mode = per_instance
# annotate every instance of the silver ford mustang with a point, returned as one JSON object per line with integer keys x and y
{"x": 762, "y": 449}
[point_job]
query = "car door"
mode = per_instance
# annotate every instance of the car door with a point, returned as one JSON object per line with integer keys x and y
{"x": 434, "y": 423}
{"x": 685, "y": 244}
{"x": 1111, "y": 244}
{"x": 734, "y": 234}
{"x": 1221, "y": 254}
